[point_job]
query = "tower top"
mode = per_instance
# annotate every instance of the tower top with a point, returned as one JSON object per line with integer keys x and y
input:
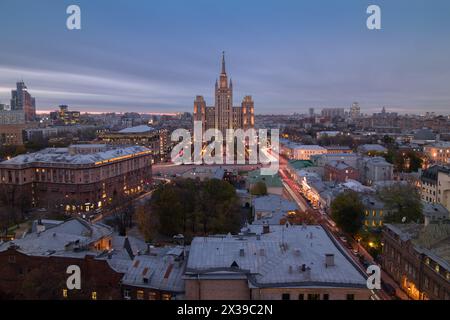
{"x": 223, "y": 62}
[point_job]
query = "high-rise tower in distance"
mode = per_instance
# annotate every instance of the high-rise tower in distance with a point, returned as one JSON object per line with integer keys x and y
{"x": 22, "y": 100}
{"x": 223, "y": 115}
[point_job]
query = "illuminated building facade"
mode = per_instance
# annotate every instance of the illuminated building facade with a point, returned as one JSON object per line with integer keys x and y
{"x": 80, "y": 178}
{"x": 223, "y": 115}
{"x": 438, "y": 152}
{"x": 65, "y": 116}
{"x": 156, "y": 140}
{"x": 416, "y": 257}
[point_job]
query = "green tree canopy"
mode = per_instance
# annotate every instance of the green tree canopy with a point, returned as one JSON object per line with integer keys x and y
{"x": 259, "y": 189}
{"x": 403, "y": 201}
{"x": 347, "y": 211}
{"x": 194, "y": 207}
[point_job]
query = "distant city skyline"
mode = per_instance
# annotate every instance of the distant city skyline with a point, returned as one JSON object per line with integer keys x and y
{"x": 156, "y": 56}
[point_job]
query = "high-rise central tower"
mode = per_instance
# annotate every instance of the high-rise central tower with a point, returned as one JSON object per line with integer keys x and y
{"x": 224, "y": 115}
{"x": 223, "y": 101}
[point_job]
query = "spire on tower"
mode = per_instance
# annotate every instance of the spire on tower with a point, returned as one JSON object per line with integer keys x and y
{"x": 231, "y": 83}
{"x": 223, "y": 62}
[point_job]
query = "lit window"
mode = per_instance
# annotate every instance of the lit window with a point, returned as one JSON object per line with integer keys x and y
{"x": 140, "y": 294}
{"x": 65, "y": 293}
{"x": 166, "y": 296}
{"x": 94, "y": 295}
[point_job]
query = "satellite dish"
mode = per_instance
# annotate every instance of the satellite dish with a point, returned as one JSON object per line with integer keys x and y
{"x": 403, "y": 219}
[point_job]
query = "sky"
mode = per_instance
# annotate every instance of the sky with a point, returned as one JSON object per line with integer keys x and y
{"x": 290, "y": 55}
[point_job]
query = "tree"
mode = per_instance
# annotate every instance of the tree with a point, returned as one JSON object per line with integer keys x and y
{"x": 403, "y": 201}
{"x": 146, "y": 222}
{"x": 347, "y": 211}
{"x": 415, "y": 161}
{"x": 259, "y": 189}
{"x": 194, "y": 207}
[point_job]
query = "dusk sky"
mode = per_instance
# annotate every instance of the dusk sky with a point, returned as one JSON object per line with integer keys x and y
{"x": 157, "y": 55}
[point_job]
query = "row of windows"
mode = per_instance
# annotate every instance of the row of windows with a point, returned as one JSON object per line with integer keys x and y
{"x": 93, "y": 294}
{"x": 374, "y": 213}
{"x": 140, "y": 295}
{"x": 373, "y": 223}
{"x": 314, "y": 296}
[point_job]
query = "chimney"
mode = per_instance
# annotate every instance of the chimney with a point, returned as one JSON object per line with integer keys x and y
{"x": 308, "y": 273}
{"x": 266, "y": 228}
{"x": 329, "y": 260}
{"x": 40, "y": 227}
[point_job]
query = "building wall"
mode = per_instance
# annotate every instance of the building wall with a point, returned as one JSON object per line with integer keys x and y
{"x": 75, "y": 188}
{"x": 157, "y": 141}
{"x": 11, "y": 134}
{"x": 340, "y": 175}
{"x": 141, "y": 293}
{"x": 373, "y": 218}
{"x": 217, "y": 290}
{"x": 311, "y": 294}
{"x": 438, "y": 154}
{"x": 22, "y": 273}
{"x": 415, "y": 273}
{"x": 443, "y": 189}
{"x": 429, "y": 191}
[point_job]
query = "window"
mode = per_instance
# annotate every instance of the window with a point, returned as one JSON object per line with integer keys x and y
{"x": 12, "y": 259}
{"x": 326, "y": 296}
{"x": 64, "y": 293}
{"x": 126, "y": 294}
{"x": 166, "y": 296}
{"x": 140, "y": 294}
{"x": 350, "y": 296}
{"x": 436, "y": 268}
{"x": 301, "y": 296}
{"x": 94, "y": 295}
{"x": 285, "y": 296}
{"x": 152, "y": 296}
{"x": 436, "y": 290}
{"x": 313, "y": 296}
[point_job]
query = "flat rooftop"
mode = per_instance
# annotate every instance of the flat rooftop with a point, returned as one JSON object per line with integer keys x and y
{"x": 137, "y": 129}
{"x": 275, "y": 258}
{"x": 64, "y": 156}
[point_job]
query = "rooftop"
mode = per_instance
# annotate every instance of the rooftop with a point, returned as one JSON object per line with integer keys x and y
{"x": 137, "y": 129}
{"x": 435, "y": 210}
{"x": 371, "y": 147}
{"x": 73, "y": 237}
{"x": 271, "y": 181}
{"x": 64, "y": 156}
{"x": 162, "y": 269}
{"x": 275, "y": 258}
{"x": 339, "y": 165}
{"x": 272, "y": 208}
{"x": 432, "y": 239}
{"x": 300, "y": 164}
